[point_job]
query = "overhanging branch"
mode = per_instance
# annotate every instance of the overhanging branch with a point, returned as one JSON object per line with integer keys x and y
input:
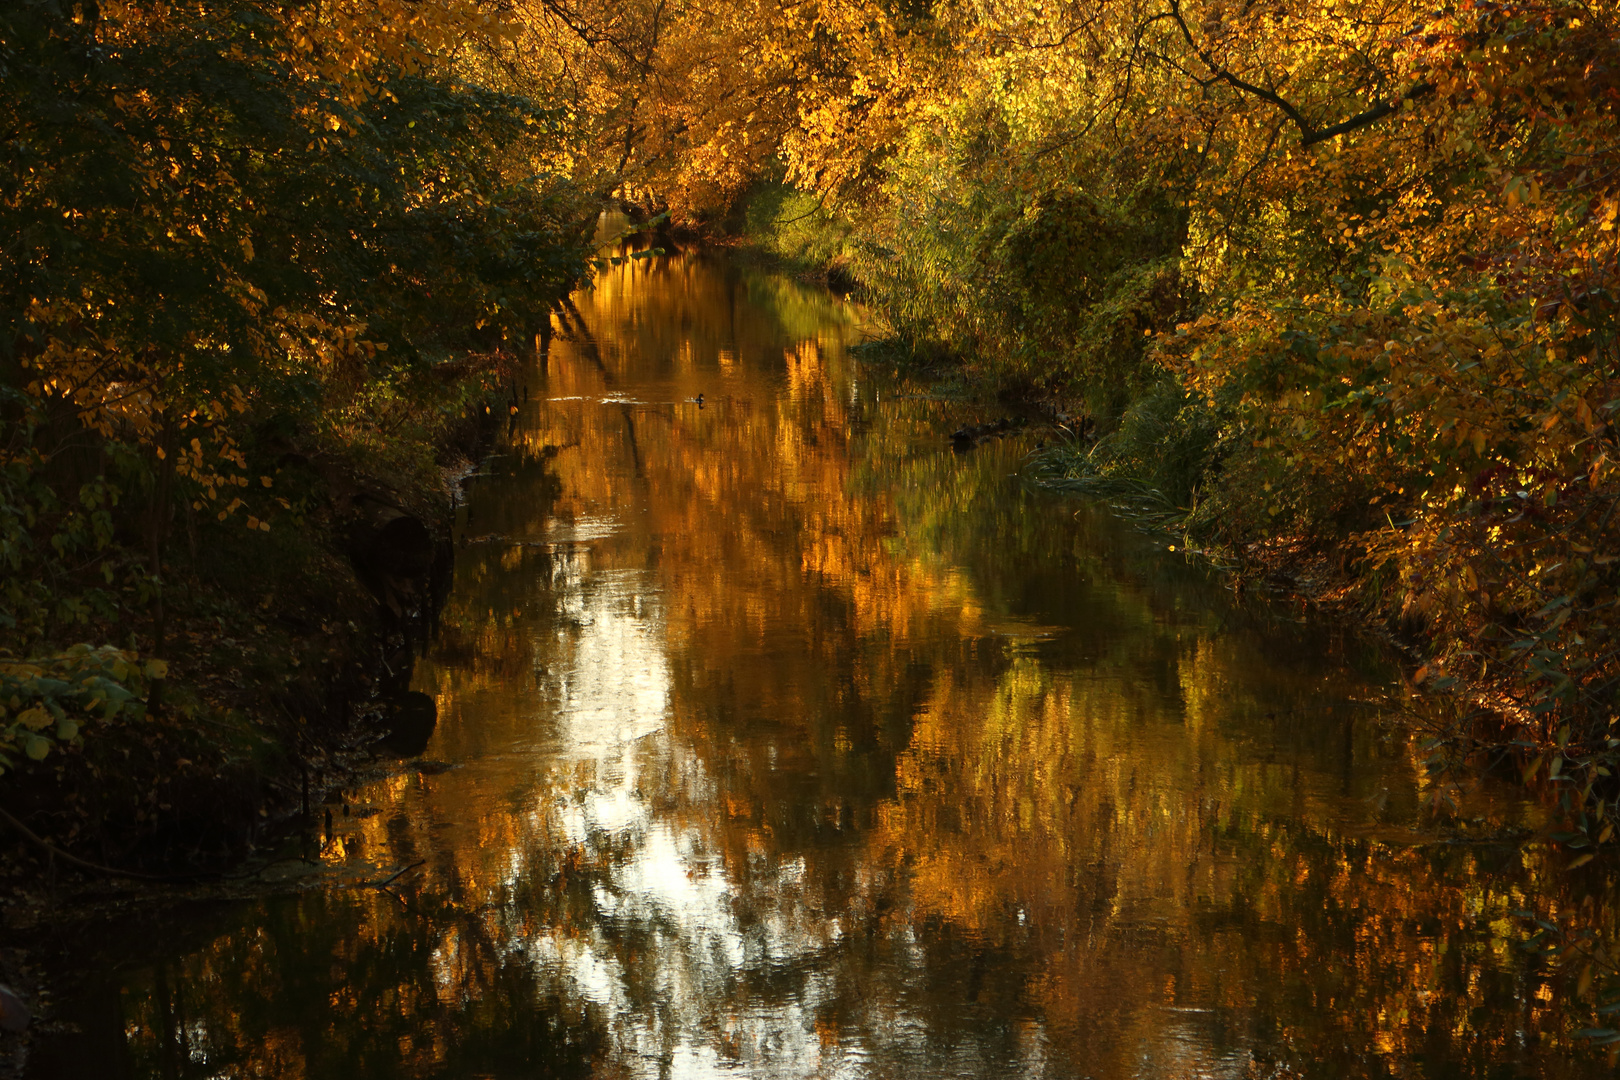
{"x": 1309, "y": 135}
{"x": 1362, "y": 119}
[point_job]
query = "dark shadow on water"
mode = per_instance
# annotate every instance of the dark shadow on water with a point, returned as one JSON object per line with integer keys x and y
{"x": 410, "y": 719}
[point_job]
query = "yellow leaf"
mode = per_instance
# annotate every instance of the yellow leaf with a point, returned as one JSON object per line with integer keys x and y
{"x": 34, "y": 719}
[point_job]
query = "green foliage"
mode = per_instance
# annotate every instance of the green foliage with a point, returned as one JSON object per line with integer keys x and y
{"x": 1152, "y": 464}
{"x": 797, "y": 227}
{"x": 53, "y": 701}
{"x": 57, "y": 550}
{"x": 1054, "y": 283}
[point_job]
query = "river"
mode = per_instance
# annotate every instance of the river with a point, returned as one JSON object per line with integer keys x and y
{"x": 778, "y": 739}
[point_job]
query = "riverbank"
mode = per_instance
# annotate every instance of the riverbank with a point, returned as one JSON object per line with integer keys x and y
{"x": 284, "y": 656}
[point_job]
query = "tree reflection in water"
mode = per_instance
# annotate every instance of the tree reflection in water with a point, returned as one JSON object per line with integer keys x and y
{"x": 791, "y": 743}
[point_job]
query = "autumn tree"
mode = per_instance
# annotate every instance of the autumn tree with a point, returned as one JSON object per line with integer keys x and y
{"x": 228, "y": 225}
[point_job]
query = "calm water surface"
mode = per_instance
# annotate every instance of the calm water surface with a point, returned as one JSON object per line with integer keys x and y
{"x": 788, "y": 743}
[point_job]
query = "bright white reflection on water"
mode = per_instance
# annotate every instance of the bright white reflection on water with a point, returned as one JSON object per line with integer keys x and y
{"x": 615, "y": 688}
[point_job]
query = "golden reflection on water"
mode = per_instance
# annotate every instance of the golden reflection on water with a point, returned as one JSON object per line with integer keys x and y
{"x": 789, "y": 743}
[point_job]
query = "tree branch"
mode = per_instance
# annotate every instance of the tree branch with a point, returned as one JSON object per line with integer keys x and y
{"x": 1308, "y": 135}
{"x": 84, "y": 864}
{"x": 1362, "y": 119}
